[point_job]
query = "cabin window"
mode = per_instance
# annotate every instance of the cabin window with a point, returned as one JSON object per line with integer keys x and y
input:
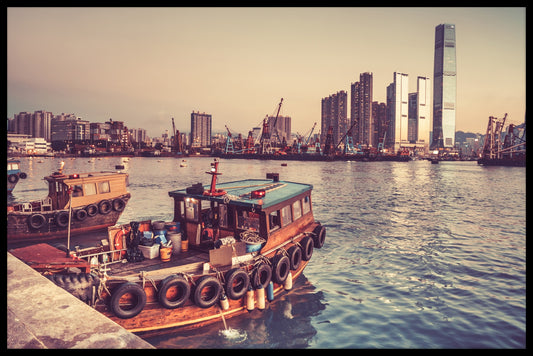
{"x": 274, "y": 221}
{"x": 77, "y": 190}
{"x": 297, "y": 209}
{"x": 286, "y": 217}
{"x": 191, "y": 209}
{"x": 223, "y": 215}
{"x": 12, "y": 166}
{"x": 182, "y": 209}
{"x": 306, "y": 205}
{"x": 89, "y": 188}
{"x": 103, "y": 187}
{"x": 248, "y": 220}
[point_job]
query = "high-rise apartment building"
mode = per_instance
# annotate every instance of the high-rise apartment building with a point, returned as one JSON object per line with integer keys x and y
{"x": 282, "y": 128}
{"x": 334, "y": 114}
{"x": 200, "y": 129}
{"x": 444, "y": 87}
{"x": 398, "y": 112}
{"x": 36, "y": 125}
{"x": 361, "y": 110}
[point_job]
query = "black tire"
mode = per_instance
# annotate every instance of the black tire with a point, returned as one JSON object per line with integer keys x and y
{"x": 295, "y": 256}
{"x": 13, "y": 178}
{"x": 261, "y": 276}
{"x": 119, "y": 204}
{"x": 207, "y": 291}
{"x": 23, "y": 175}
{"x": 80, "y": 285}
{"x": 36, "y": 221}
{"x": 61, "y": 219}
{"x": 139, "y": 297}
{"x": 319, "y": 236}
{"x": 281, "y": 267}
{"x": 307, "y": 247}
{"x": 237, "y": 282}
{"x": 91, "y": 210}
{"x": 183, "y": 291}
{"x": 81, "y": 214}
{"x": 105, "y": 206}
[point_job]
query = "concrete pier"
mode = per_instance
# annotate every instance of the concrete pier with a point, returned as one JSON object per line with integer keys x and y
{"x": 41, "y": 315}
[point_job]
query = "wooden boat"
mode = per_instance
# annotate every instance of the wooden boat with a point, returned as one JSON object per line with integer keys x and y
{"x": 86, "y": 201}
{"x": 14, "y": 174}
{"x": 242, "y": 243}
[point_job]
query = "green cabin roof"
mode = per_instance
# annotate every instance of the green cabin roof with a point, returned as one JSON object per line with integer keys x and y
{"x": 239, "y": 192}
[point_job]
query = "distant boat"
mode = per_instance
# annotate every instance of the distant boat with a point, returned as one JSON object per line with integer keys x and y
{"x": 183, "y": 163}
{"x": 97, "y": 200}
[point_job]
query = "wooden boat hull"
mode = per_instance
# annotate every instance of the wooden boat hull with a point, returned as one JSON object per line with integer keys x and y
{"x": 19, "y": 226}
{"x": 154, "y": 317}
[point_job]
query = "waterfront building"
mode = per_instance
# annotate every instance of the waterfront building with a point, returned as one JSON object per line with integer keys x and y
{"x": 361, "y": 110}
{"x": 444, "y": 87}
{"x": 282, "y": 128}
{"x": 334, "y": 115}
{"x": 397, "y": 112}
{"x": 68, "y": 127}
{"x": 37, "y": 124}
{"x": 200, "y": 129}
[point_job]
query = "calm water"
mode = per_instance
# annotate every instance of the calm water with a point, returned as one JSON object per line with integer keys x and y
{"x": 416, "y": 255}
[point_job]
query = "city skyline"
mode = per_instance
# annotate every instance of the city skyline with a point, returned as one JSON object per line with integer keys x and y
{"x": 144, "y": 66}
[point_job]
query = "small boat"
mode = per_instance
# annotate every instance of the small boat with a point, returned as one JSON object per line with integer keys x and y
{"x": 240, "y": 244}
{"x": 86, "y": 201}
{"x": 183, "y": 163}
{"x": 14, "y": 174}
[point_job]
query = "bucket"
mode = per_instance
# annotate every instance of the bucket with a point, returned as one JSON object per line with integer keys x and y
{"x": 175, "y": 237}
{"x": 165, "y": 253}
{"x": 184, "y": 245}
{"x": 253, "y": 247}
{"x": 158, "y": 225}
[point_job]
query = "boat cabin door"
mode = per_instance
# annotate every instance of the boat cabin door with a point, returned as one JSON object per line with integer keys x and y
{"x": 201, "y": 220}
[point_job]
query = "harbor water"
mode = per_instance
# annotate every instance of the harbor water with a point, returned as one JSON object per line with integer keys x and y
{"x": 417, "y": 255}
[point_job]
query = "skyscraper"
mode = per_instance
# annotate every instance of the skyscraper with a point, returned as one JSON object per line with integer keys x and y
{"x": 334, "y": 114}
{"x": 361, "y": 110}
{"x": 444, "y": 87}
{"x": 200, "y": 129}
{"x": 398, "y": 112}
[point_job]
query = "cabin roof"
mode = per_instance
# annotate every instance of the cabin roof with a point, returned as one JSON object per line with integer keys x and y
{"x": 72, "y": 176}
{"x": 239, "y": 192}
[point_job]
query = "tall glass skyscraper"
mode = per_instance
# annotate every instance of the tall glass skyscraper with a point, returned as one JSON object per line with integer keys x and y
{"x": 444, "y": 87}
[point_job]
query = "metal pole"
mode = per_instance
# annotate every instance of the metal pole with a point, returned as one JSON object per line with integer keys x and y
{"x": 69, "y": 219}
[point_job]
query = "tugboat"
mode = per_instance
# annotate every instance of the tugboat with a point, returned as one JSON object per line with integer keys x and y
{"x": 14, "y": 174}
{"x": 242, "y": 244}
{"x": 76, "y": 203}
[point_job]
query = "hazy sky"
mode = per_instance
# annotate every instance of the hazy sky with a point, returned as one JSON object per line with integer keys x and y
{"x": 144, "y": 66}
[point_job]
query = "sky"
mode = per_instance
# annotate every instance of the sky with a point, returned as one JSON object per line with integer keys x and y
{"x": 145, "y": 66}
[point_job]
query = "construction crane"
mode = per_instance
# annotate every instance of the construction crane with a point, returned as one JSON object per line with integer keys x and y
{"x": 265, "y": 142}
{"x": 229, "y": 142}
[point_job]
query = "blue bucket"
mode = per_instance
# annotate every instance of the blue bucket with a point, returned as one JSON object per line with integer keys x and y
{"x": 253, "y": 248}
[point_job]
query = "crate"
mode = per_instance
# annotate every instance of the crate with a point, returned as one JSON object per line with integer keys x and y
{"x": 150, "y": 252}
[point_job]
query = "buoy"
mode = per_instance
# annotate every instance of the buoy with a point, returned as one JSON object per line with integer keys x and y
{"x": 250, "y": 305}
{"x": 224, "y": 302}
{"x": 270, "y": 291}
{"x": 261, "y": 298}
{"x": 288, "y": 282}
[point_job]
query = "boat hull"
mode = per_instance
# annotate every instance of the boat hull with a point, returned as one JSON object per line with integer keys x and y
{"x": 19, "y": 227}
{"x": 155, "y": 318}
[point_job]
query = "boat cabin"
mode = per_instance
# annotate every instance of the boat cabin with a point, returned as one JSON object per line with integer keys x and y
{"x": 271, "y": 208}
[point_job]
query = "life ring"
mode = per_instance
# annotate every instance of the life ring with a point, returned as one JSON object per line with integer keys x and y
{"x": 139, "y": 300}
{"x": 319, "y": 236}
{"x": 207, "y": 291}
{"x": 81, "y": 214}
{"x": 261, "y": 276}
{"x": 281, "y": 267}
{"x": 119, "y": 204}
{"x": 23, "y": 175}
{"x": 13, "y": 178}
{"x": 91, "y": 210}
{"x": 295, "y": 256}
{"x": 118, "y": 245}
{"x": 183, "y": 291}
{"x": 36, "y": 221}
{"x": 237, "y": 282}
{"x": 104, "y": 207}
{"x": 307, "y": 244}
{"x": 61, "y": 219}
